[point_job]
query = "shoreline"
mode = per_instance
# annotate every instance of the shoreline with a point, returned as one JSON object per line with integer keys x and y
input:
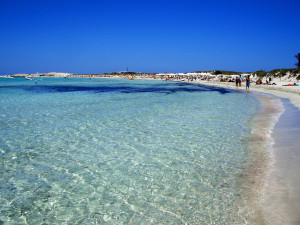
{"x": 292, "y": 93}
{"x": 261, "y": 155}
{"x": 280, "y": 192}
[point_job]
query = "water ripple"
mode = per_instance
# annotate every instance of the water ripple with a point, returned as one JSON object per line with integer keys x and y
{"x": 121, "y": 153}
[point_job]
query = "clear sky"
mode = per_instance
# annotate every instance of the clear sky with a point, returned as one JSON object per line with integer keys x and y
{"x": 147, "y": 35}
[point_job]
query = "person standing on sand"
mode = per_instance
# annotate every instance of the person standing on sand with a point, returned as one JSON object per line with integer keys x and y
{"x": 236, "y": 81}
{"x": 248, "y": 82}
{"x": 240, "y": 81}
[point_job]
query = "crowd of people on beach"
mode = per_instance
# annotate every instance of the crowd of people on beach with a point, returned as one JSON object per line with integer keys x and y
{"x": 240, "y": 79}
{"x": 237, "y": 79}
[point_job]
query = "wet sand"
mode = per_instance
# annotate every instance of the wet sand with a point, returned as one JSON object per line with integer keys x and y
{"x": 260, "y": 159}
{"x": 282, "y": 191}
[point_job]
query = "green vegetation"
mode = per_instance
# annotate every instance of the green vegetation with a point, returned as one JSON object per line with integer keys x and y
{"x": 260, "y": 73}
{"x": 126, "y": 73}
{"x": 217, "y": 72}
{"x": 298, "y": 63}
{"x": 226, "y": 72}
{"x": 279, "y": 73}
{"x": 121, "y": 73}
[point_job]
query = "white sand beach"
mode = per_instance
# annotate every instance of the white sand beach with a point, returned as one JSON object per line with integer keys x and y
{"x": 281, "y": 192}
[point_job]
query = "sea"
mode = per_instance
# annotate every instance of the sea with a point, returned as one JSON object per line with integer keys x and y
{"x": 118, "y": 151}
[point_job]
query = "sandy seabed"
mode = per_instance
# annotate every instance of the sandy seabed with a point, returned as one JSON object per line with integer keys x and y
{"x": 277, "y": 197}
{"x": 273, "y": 181}
{"x": 280, "y": 193}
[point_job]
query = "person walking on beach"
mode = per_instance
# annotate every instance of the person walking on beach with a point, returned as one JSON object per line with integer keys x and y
{"x": 240, "y": 81}
{"x": 236, "y": 81}
{"x": 248, "y": 82}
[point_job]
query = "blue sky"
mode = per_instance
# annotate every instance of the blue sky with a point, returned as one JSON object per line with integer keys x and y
{"x": 147, "y": 36}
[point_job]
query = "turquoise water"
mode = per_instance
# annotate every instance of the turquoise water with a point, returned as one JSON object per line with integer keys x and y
{"x": 109, "y": 151}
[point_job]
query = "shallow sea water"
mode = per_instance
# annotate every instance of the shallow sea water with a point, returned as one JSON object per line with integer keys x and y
{"x": 109, "y": 151}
